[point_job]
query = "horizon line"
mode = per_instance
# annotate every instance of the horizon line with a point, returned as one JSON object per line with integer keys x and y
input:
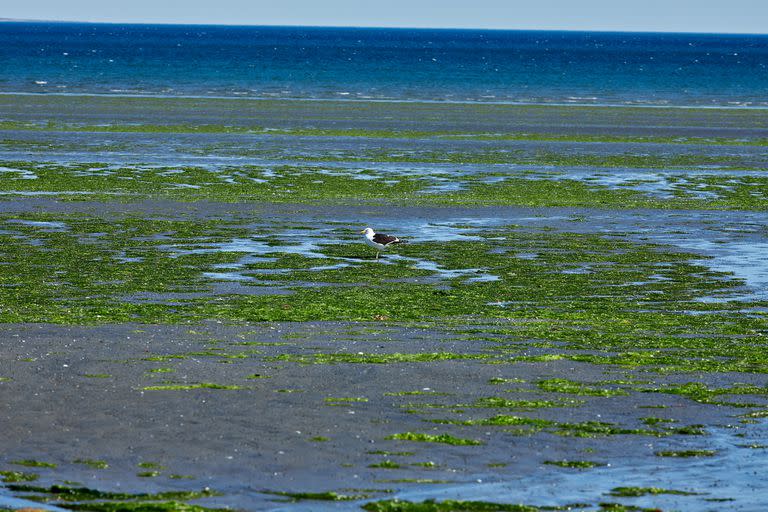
{"x": 390, "y": 27}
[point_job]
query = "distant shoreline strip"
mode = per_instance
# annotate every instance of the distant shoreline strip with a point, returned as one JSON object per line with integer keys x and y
{"x": 386, "y": 100}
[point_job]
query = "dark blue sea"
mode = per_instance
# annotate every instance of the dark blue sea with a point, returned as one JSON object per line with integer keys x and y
{"x": 385, "y": 64}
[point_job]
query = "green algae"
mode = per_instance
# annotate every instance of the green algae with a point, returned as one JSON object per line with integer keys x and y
{"x": 618, "y": 507}
{"x": 18, "y": 476}
{"x": 318, "y": 496}
{"x": 76, "y": 494}
{"x": 93, "y": 463}
{"x": 522, "y": 281}
{"x": 584, "y": 429}
{"x": 52, "y": 126}
{"x": 500, "y": 420}
{"x": 579, "y": 464}
{"x": 187, "y": 387}
{"x": 427, "y": 464}
{"x": 310, "y": 184}
{"x": 386, "y": 464}
{"x": 500, "y": 380}
{"x": 150, "y": 465}
{"x": 373, "y": 358}
{"x": 646, "y": 491}
{"x": 577, "y": 388}
{"x": 701, "y": 393}
{"x": 445, "y": 506}
{"x": 600, "y": 428}
{"x": 685, "y": 453}
{"x": 434, "y": 438}
{"x": 494, "y": 402}
{"x": 159, "y": 506}
{"x": 342, "y": 401}
{"x": 309, "y": 131}
{"x": 31, "y": 463}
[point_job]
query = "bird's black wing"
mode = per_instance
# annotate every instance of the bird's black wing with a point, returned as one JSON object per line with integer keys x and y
{"x": 385, "y": 239}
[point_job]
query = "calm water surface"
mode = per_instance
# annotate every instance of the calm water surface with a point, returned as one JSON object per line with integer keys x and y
{"x": 385, "y": 64}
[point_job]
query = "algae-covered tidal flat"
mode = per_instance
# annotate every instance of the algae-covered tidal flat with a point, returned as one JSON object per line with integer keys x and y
{"x": 191, "y": 322}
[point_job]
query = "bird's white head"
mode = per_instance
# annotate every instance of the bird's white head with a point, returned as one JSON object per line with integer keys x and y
{"x": 367, "y": 232}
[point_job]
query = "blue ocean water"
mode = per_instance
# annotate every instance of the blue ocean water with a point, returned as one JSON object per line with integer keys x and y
{"x": 385, "y": 64}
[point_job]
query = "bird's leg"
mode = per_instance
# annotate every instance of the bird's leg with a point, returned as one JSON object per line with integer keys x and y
{"x": 377, "y": 255}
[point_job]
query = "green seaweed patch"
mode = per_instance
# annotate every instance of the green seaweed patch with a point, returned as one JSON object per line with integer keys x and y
{"x": 309, "y": 131}
{"x": 159, "y": 506}
{"x": 582, "y": 429}
{"x": 97, "y": 375}
{"x": 386, "y": 464}
{"x": 148, "y": 474}
{"x": 685, "y": 453}
{"x": 416, "y": 393}
{"x": 647, "y": 491}
{"x": 434, "y": 438}
{"x": 18, "y": 476}
{"x": 73, "y": 494}
{"x": 502, "y": 380}
{"x": 495, "y": 402}
{"x": 578, "y": 388}
{"x": 579, "y": 464}
{"x": 31, "y": 463}
{"x": 357, "y": 358}
{"x": 187, "y": 387}
{"x": 618, "y": 507}
{"x": 701, "y": 393}
{"x": 445, "y": 506}
{"x": 500, "y": 420}
{"x": 314, "y": 184}
{"x": 600, "y": 428}
{"x": 391, "y": 454}
{"x": 150, "y": 465}
{"x": 319, "y": 439}
{"x": 93, "y": 463}
{"x": 318, "y": 496}
{"x": 567, "y": 310}
{"x": 342, "y": 401}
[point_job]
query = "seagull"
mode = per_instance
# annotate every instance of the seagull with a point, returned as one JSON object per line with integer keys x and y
{"x": 379, "y": 241}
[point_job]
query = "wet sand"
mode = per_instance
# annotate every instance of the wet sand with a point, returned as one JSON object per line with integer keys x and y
{"x": 243, "y": 442}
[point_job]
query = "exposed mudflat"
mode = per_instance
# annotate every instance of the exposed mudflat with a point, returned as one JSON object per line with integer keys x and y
{"x": 575, "y": 319}
{"x": 81, "y": 393}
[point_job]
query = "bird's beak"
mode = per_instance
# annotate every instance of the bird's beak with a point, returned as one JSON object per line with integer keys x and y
{"x": 362, "y": 231}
